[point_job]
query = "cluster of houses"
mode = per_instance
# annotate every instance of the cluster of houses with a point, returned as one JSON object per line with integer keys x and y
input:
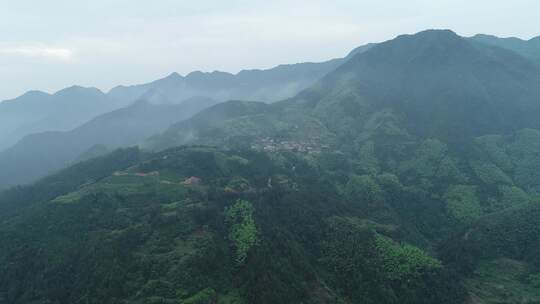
{"x": 273, "y": 145}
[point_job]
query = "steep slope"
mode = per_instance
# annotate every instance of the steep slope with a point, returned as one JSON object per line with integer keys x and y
{"x": 37, "y": 112}
{"x": 70, "y": 179}
{"x": 439, "y": 84}
{"x": 432, "y": 84}
{"x": 40, "y": 154}
{"x": 207, "y": 126}
{"x": 23, "y": 110}
{"x": 499, "y": 256}
{"x": 201, "y": 225}
{"x": 453, "y": 121}
{"x": 407, "y": 175}
{"x": 527, "y": 48}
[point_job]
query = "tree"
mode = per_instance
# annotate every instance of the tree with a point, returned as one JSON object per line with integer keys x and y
{"x": 242, "y": 229}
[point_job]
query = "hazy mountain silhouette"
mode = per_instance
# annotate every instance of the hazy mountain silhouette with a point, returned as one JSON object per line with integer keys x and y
{"x": 39, "y": 154}
{"x": 438, "y": 83}
{"x": 434, "y": 84}
{"x": 269, "y": 85}
{"x": 527, "y": 48}
{"x": 38, "y": 111}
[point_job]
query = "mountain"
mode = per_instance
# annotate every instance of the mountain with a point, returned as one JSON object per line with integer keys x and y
{"x": 409, "y": 174}
{"x": 439, "y": 83}
{"x": 40, "y": 154}
{"x": 202, "y": 225}
{"x": 34, "y": 112}
{"x": 527, "y": 48}
{"x": 269, "y": 85}
{"x": 209, "y": 123}
{"x": 452, "y": 120}
{"x": 432, "y": 84}
{"x": 38, "y": 111}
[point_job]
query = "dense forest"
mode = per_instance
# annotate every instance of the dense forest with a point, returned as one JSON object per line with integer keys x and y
{"x": 409, "y": 174}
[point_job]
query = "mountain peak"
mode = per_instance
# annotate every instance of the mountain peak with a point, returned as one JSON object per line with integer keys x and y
{"x": 213, "y": 74}
{"x": 77, "y": 90}
{"x": 442, "y": 82}
{"x": 439, "y": 33}
{"x": 441, "y": 38}
{"x": 174, "y": 75}
{"x": 431, "y": 46}
{"x": 30, "y": 95}
{"x": 33, "y": 94}
{"x": 484, "y": 36}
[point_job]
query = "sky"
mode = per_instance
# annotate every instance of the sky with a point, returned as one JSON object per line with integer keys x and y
{"x": 53, "y": 44}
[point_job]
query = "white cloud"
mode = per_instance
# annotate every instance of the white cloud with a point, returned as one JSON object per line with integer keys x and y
{"x": 62, "y": 54}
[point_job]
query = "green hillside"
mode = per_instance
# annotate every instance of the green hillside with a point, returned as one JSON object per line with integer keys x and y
{"x": 407, "y": 175}
{"x": 250, "y": 229}
{"x": 448, "y": 119}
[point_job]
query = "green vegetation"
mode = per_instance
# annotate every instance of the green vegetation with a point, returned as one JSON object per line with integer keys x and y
{"x": 205, "y": 296}
{"x": 158, "y": 240}
{"x": 403, "y": 262}
{"x": 503, "y": 280}
{"x": 363, "y": 188}
{"x": 390, "y": 181}
{"x": 490, "y": 174}
{"x": 462, "y": 202}
{"x": 243, "y": 232}
{"x": 512, "y": 196}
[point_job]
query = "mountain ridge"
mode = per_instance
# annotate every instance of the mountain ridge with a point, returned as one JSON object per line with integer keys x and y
{"x": 268, "y": 85}
{"x": 528, "y": 48}
{"x": 410, "y": 174}
{"x": 413, "y": 75}
{"x": 40, "y": 154}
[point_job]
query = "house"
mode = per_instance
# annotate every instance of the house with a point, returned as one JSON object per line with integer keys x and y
{"x": 192, "y": 181}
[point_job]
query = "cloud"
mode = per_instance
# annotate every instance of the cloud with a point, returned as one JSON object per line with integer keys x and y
{"x": 62, "y": 54}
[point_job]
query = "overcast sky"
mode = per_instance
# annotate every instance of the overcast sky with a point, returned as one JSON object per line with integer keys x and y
{"x": 48, "y": 45}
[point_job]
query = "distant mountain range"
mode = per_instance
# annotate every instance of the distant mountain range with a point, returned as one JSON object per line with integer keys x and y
{"x": 62, "y": 118}
{"x": 36, "y": 112}
{"x": 40, "y": 154}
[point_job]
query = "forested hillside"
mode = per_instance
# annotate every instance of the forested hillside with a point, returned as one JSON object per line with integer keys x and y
{"x": 450, "y": 118}
{"x": 200, "y": 225}
{"x": 410, "y": 174}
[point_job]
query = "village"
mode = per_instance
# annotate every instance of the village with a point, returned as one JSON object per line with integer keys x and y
{"x": 310, "y": 146}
